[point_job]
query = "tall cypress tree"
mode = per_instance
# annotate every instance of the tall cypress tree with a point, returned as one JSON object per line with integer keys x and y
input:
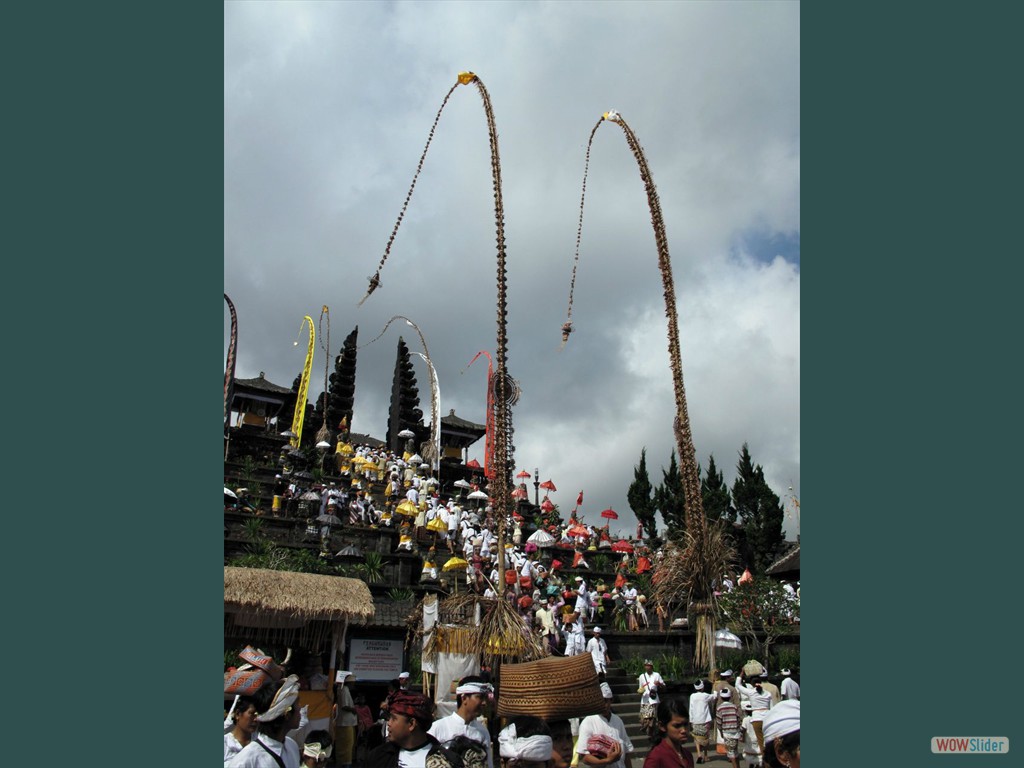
{"x": 640, "y": 496}
{"x": 341, "y": 402}
{"x": 714, "y": 491}
{"x": 669, "y": 499}
{"x": 405, "y": 412}
{"x": 759, "y": 510}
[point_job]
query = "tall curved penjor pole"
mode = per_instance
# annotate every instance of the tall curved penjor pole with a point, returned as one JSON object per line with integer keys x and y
{"x": 229, "y": 366}
{"x": 696, "y": 524}
{"x": 506, "y": 390}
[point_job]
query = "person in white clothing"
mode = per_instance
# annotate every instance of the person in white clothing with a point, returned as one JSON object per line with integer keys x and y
{"x": 242, "y": 726}
{"x": 602, "y": 738}
{"x": 648, "y": 685}
{"x": 750, "y": 749}
{"x": 598, "y": 650}
{"x": 271, "y": 747}
{"x": 761, "y": 702}
{"x": 471, "y": 697}
{"x": 700, "y": 718}
{"x": 629, "y": 596}
{"x": 582, "y": 598}
{"x": 574, "y": 642}
{"x": 790, "y": 687}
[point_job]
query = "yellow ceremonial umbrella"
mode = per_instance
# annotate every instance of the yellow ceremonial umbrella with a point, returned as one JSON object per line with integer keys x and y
{"x": 407, "y": 508}
{"x": 455, "y": 563}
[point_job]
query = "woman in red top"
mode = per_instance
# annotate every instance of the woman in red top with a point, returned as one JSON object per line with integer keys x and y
{"x": 674, "y": 729}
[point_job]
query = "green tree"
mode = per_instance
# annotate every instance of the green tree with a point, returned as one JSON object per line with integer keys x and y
{"x": 759, "y": 510}
{"x": 640, "y": 497}
{"x": 669, "y": 499}
{"x": 762, "y": 610}
{"x": 717, "y": 501}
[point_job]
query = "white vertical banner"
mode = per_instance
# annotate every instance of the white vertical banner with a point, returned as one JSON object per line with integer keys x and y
{"x": 430, "y": 609}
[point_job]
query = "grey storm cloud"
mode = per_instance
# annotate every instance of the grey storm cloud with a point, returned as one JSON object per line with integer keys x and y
{"x": 327, "y": 108}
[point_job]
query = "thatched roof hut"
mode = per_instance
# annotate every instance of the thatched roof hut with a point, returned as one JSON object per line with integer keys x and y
{"x": 292, "y": 609}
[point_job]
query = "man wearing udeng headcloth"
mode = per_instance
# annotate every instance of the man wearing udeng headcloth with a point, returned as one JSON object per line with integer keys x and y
{"x": 408, "y": 744}
{"x": 471, "y": 697}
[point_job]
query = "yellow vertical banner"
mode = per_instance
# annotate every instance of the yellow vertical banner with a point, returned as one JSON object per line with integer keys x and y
{"x": 300, "y": 402}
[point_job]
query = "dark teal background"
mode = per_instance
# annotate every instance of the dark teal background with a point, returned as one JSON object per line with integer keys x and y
{"x": 114, "y": 321}
{"x": 911, "y": 380}
{"x": 113, "y": 222}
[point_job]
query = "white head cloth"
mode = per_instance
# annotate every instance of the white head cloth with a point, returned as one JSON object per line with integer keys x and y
{"x": 286, "y": 695}
{"x": 473, "y": 688}
{"x": 316, "y": 750}
{"x": 512, "y": 747}
{"x": 781, "y": 719}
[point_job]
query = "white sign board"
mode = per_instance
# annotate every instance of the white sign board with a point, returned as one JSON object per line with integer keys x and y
{"x": 379, "y": 660}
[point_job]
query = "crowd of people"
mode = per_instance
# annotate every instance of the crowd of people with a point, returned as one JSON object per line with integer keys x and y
{"x": 757, "y": 722}
{"x": 383, "y": 490}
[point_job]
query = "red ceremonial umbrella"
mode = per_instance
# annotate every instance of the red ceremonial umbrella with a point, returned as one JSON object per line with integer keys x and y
{"x": 547, "y": 485}
{"x": 611, "y": 514}
{"x": 579, "y": 499}
{"x": 524, "y": 473}
{"x": 520, "y": 493}
{"x": 473, "y": 464}
{"x": 622, "y": 546}
{"x": 579, "y": 530}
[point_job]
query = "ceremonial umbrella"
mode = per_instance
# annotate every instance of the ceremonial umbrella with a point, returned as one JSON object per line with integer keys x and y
{"x": 579, "y": 530}
{"x": 329, "y": 519}
{"x": 520, "y": 493}
{"x": 611, "y": 514}
{"x": 407, "y": 433}
{"x": 407, "y": 508}
{"x": 524, "y": 473}
{"x": 726, "y": 639}
{"x": 455, "y": 564}
{"x": 477, "y": 495}
{"x": 547, "y": 485}
{"x": 473, "y": 464}
{"x": 460, "y": 483}
{"x": 622, "y": 546}
{"x": 541, "y": 538}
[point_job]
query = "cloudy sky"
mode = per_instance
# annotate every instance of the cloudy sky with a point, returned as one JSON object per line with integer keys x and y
{"x": 327, "y": 108}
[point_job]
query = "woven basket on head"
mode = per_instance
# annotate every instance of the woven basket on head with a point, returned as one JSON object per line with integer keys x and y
{"x": 752, "y": 668}
{"x": 555, "y": 688}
